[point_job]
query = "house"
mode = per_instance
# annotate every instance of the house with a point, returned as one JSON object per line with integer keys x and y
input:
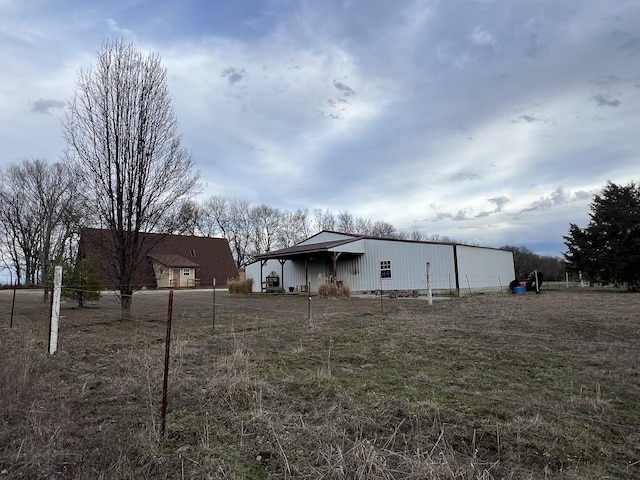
{"x": 168, "y": 261}
{"x": 368, "y": 264}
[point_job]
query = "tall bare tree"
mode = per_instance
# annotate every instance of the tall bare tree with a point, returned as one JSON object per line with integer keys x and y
{"x": 122, "y": 132}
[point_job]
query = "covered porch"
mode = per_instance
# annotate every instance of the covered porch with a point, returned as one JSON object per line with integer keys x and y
{"x": 304, "y": 263}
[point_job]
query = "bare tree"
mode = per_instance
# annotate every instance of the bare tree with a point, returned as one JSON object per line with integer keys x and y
{"x": 122, "y": 132}
{"x": 230, "y": 219}
{"x": 346, "y": 222}
{"x": 184, "y": 218}
{"x": 238, "y": 232}
{"x": 296, "y": 227}
{"x": 214, "y": 218}
{"x": 324, "y": 220}
{"x": 266, "y": 224}
{"x": 362, "y": 226}
{"x": 40, "y": 213}
{"x": 383, "y": 229}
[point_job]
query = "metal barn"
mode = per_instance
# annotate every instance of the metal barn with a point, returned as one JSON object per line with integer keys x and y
{"x": 368, "y": 264}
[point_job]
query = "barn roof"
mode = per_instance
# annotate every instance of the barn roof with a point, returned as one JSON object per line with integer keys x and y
{"x": 308, "y": 248}
{"x": 211, "y": 257}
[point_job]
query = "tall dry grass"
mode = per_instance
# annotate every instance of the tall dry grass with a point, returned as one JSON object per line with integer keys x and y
{"x": 240, "y": 286}
{"x": 332, "y": 289}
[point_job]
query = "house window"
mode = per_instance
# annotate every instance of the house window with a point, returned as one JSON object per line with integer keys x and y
{"x": 186, "y": 272}
{"x": 385, "y": 269}
{"x": 193, "y": 252}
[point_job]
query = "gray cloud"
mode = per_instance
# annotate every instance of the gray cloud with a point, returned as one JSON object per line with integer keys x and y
{"x": 527, "y": 119}
{"x": 46, "y": 105}
{"x": 234, "y": 75}
{"x": 606, "y": 100}
{"x": 558, "y": 197}
{"x": 346, "y": 90}
{"x": 627, "y": 41}
{"x": 606, "y": 80}
{"x": 499, "y": 202}
{"x": 459, "y": 216}
{"x": 463, "y": 175}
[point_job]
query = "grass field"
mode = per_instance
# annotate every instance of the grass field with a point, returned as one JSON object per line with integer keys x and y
{"x": 484, "y": 387}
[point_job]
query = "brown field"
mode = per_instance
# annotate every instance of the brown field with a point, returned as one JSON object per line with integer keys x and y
{"x": 484, "y": 387}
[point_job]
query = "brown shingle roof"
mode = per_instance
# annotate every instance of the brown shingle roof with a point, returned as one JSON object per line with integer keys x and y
{"x": 210, "y": 256}
{"x": 173, "y": 260}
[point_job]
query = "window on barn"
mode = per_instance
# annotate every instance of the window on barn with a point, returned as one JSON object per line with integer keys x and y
{"x": 186, "y": 272}
{"x": 193, "y": 252}
{"x": 385, "y": 269}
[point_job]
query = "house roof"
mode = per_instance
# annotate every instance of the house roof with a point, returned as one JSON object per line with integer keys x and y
{"x": 211, "y": 257}
{"x": 171, "y": 260}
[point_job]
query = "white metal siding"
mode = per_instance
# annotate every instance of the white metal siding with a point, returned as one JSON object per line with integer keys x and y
{"x": 484, "y": 268}
{"x": 408, "y": 265}
{"x": 478, "y": 268}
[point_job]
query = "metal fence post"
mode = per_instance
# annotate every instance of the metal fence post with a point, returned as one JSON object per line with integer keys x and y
{"x": 165, "y": 379}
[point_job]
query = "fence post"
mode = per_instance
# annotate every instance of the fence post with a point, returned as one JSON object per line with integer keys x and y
{"x": 13, "y": 304}
{"x": 429, "y": 294}
{"x": 55, "y": 310}
{"x": 309, "y": 299}
{"x": 165, "y": 379}
{"x": 213, "y": 323}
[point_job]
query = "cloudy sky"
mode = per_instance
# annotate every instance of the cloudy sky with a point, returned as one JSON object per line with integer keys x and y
{"x": 489, "y": 121}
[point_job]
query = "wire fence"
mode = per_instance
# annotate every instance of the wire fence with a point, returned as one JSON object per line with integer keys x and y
{"x": 218, "y": 309}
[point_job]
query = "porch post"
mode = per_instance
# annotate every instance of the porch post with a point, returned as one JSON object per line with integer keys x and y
{"x": 335, "y": 265}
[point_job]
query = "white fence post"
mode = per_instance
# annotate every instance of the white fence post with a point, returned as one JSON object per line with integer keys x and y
{"x": 55, "y": 310}
{"x": 429, "y": 293}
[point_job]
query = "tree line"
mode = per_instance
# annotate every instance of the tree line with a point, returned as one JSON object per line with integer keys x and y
{"x": 43, "y": 209}
{"x": 42, "y": 213}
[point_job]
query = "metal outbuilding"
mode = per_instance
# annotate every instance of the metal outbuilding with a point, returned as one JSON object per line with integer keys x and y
{"x": 368, "y": 264}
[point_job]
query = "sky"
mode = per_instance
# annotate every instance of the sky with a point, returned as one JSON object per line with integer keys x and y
{"x": 491, "y": 122}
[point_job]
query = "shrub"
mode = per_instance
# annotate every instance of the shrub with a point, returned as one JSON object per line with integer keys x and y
{"x": 240, "y": 286}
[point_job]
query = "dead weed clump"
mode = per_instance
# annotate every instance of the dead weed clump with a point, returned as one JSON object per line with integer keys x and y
{"x": 331, "y": 289}
{"x": 244, "y": 287}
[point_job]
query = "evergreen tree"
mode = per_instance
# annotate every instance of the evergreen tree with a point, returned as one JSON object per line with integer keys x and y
{"x": 608, "y": 249}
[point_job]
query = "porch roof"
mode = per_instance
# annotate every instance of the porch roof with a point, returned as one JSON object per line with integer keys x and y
{"x": 173, "y": 261}
{"x": 306, "y": 250}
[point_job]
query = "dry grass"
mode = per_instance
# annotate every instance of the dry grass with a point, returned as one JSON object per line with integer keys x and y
{"x": 240, "y": 286}
{"x": 331, "y": 289}
{"x": 486, "y": 387}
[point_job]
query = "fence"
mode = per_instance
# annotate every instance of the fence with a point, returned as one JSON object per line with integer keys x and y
{"x": 292, "y": 330}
